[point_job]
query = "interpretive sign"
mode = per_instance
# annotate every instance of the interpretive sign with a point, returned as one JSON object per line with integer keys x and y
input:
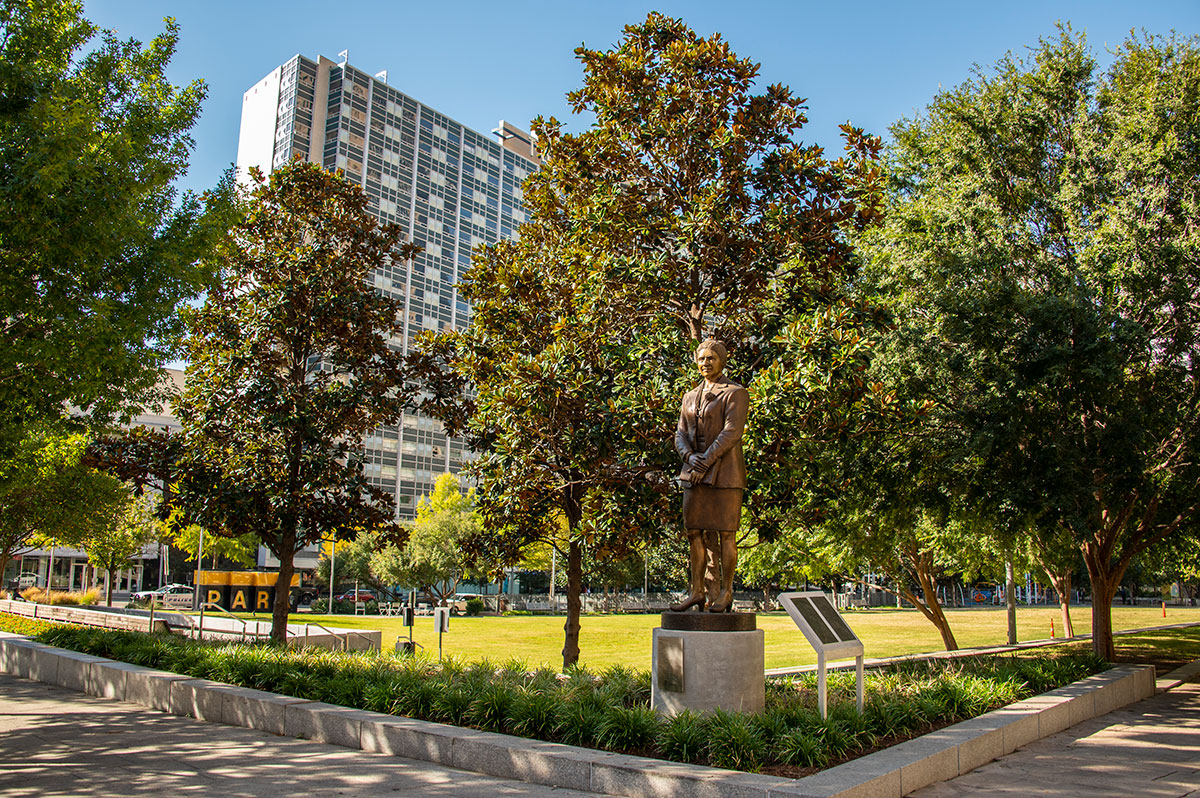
{"x": 441, "y": 619}
{"x": 828, "y": 634}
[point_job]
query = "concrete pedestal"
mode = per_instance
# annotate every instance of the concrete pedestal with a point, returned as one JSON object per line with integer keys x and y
{"x": 704, "y": 671}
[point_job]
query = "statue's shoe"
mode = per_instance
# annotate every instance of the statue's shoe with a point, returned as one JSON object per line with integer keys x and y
{"x": 688, "y": 603}
{"x": 722, "y": 604}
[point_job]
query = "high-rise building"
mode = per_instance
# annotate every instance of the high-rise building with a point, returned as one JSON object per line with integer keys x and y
{"x": 450, "y": 188}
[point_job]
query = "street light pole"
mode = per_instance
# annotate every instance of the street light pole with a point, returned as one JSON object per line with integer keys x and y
{"x": 199, "y": 567}
{"x": 332, "y": 554}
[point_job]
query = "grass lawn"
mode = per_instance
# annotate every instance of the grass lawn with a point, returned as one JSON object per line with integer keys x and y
{"x": 625, "y": 639}
{"x": 1166, "y": 649}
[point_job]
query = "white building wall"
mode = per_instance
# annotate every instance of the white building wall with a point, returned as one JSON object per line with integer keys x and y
{"x": 256, "y": 139}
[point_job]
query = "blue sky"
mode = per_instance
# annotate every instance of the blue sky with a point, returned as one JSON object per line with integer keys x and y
{"x": 869, "y": 62}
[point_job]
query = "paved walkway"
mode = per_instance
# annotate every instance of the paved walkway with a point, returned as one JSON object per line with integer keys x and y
{"x": 1151, "y": 748}
{"x": 57, "y": 742}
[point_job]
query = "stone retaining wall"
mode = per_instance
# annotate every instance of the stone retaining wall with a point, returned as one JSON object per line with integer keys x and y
{"x": 890, "y": 773}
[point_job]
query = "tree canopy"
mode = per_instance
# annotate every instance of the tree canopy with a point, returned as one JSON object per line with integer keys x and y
{"x": 292, "y": 363}
{"x": 98, "y": 251}
{"x": 124, "y": 529}
{"x": 1041, "y": 258}
{"x": 434, "y": 558}
{"x": 47, "y": 491}
{"x": 689, "y": 208}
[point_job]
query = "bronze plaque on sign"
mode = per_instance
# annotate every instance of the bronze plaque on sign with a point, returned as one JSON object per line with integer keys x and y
{"x": 670, "y": 664}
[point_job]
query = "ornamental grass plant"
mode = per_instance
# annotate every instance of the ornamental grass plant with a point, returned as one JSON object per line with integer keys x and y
{"x": 610, "y": 709}
{"x": 41, "y": 595}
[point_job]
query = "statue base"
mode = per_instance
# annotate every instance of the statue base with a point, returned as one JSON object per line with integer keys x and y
{"x": 707, "y": 670}
{"x": 693, "y": 621}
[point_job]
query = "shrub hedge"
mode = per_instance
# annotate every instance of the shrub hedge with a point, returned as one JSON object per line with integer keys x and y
{"x": 609, "y": 710}
{"x": 321, "y": 607}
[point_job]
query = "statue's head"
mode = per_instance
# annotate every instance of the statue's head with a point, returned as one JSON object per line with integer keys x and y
{"x": 710, "y": 358}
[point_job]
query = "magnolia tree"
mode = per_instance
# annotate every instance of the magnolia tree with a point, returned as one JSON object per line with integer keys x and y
{"x": 289, "y": 368}
{"x": 688, "y": 208}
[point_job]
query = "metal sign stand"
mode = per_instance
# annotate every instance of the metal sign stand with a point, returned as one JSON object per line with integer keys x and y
{"x": 409, "y": 612}
{"x": 828, "y": 634}
{"x": 441, "y": 619}
{"x": 406, "y": 615}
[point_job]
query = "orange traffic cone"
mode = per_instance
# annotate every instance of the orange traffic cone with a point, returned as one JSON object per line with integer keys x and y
{"x": 1051, "y": 628}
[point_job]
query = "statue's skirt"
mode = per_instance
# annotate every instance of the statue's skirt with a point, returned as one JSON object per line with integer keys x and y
{"x": 705, "y": 507}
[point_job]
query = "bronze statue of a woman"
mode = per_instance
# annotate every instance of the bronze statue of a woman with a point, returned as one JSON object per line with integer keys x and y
{"x": 709, "y": 441}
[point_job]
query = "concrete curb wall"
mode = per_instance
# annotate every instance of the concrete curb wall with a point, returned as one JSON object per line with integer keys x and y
{"x": 890, "y": 773}
{"x": 82, "y": 615}
{"x": 216, "y": 627}
{"x": 1184, "y": 673}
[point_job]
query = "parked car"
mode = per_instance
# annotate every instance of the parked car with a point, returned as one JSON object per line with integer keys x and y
{"x": 172, "y": 593}
{"x": 362, "y": 595}
{"x": 458, "y": 602}
{"x": 306, "y": 595}
{"x": 24, "y": 579}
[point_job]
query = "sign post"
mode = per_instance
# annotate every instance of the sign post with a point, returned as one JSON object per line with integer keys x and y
{"x": 828, "y": 634}
{"x": 441, "y": 619}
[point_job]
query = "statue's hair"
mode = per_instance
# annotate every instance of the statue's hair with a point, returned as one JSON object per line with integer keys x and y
{"x": 716, "y": 346}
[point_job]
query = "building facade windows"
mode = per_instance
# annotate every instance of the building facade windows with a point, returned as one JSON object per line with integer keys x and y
{"x": 449, "y": 187}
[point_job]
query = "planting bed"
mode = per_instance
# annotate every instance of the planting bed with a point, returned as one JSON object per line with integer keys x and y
{"x": 607, "y": 710}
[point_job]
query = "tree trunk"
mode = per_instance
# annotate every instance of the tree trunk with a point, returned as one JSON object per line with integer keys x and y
{"x": 5, "y": 557}
{"x": 108, "y": 586}
{"x": 570, "y": 650}
{"x": 283, "y": 593}
{"x": 1062, "y": 586}
{"x": 932, "y": 612}
{"x": 920, "y": 563}
{"x": 933, "y": 609}
{"x": 1105, "y": 581}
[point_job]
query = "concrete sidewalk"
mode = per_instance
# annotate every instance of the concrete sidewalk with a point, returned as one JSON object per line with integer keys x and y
{"x": 58, "y": 742}
{"x": 1151, "y": 748}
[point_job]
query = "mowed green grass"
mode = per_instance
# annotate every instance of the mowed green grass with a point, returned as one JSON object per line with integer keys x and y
{"x": 625, "y": 639}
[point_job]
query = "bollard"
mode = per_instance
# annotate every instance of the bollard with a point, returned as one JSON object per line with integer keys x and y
{"x": 1164, "y": 609}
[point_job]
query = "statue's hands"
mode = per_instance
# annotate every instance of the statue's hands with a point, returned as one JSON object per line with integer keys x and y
{"x": 697, "y": 464}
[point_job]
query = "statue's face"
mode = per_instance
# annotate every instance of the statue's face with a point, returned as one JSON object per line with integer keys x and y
{"x": 709, "y": 363}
